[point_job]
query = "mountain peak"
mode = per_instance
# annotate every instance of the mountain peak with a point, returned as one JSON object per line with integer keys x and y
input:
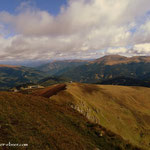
{"x": 111, "y": 59}
{"x": 118, "y": 59}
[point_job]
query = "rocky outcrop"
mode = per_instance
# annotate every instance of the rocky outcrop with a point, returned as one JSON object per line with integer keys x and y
{"x": 88, "y": 112}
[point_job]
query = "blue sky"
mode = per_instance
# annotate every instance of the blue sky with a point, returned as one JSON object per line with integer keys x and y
{"x": 52, "y": 6}
{"x": 85, "y": 29}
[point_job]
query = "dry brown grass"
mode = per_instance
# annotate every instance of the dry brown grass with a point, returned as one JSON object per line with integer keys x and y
{"x": 121, "y": 109}
{"x": 47, "y": 125}
{"x": 50, "y": 91}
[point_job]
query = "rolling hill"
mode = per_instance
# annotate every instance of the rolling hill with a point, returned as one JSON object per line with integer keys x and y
{"x": 11, "y": 76}
{"x": 121, "y": 109}
{"x": 44, "y": 124}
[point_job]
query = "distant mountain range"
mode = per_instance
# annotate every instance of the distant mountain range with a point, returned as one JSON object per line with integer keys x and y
{"x": 59, "y": 67}
{"x": 109, "y": 67}
{"x": 105, "y": 70}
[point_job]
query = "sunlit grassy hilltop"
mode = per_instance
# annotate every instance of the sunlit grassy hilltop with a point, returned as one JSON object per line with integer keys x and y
{"x": 121, "y": 109}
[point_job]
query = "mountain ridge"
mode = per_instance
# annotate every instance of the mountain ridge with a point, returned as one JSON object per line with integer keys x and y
{"x": 118, "y": 59}
{"x": 109, "y": 67}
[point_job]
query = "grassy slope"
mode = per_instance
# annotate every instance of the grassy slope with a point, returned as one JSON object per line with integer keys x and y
{"x": 45, "y": 125}
{"x": 123, "y": 110}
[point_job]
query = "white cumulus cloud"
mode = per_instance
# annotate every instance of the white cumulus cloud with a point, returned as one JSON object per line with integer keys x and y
{"x": 82, "y": 28}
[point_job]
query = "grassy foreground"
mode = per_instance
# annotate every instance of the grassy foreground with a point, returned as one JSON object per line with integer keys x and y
{"x": 47, "y": 125}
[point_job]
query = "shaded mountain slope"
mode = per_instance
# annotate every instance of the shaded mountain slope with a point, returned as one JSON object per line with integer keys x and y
{"x": 126, "y": 81}
{"x": 50, "y": 91}
{"x": 52, "y": 80}
{"x": 11, "y": 76}
{"x": 97, "y": 72}
{"x": 47, "y": 125}
{"x": 123, "y": 110}
{"x": 58, "y": 67}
